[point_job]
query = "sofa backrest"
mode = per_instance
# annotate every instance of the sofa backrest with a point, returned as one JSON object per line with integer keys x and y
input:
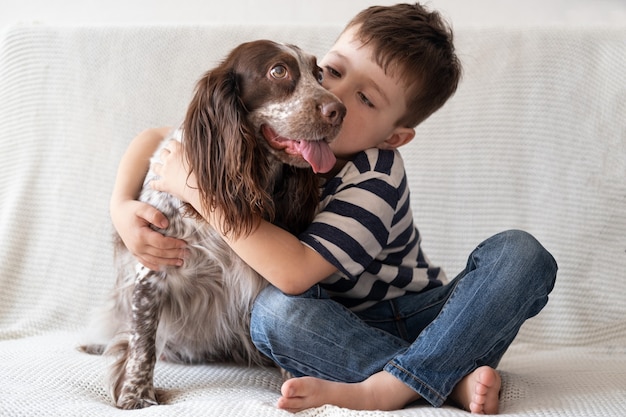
{"x": 535, "y": 138}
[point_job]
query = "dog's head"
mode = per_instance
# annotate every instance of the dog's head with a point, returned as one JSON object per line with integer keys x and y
{"x": 262, "y": 107}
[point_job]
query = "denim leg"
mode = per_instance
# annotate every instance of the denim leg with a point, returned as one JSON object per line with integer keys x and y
{"x": 312, "y": 335}
{"x": 453, "y": 329}
{"x": 507, "y": 280}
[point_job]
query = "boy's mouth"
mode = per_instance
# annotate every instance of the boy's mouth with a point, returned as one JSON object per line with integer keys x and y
{"x": 315, "y": 151}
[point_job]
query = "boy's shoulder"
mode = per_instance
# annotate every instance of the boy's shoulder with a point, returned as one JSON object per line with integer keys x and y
{"x": 373, "y": 164}
{"x": 371, "y": 173}
{"x": 383, "y": 161}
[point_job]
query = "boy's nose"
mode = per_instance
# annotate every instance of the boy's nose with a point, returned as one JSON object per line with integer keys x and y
{"x": 333, "y": 112}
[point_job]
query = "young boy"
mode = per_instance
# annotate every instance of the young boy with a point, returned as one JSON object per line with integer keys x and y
{"x": 356, "y": 311}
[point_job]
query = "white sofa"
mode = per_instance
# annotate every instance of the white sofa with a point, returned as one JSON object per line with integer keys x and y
{"x": 534, "y": 139}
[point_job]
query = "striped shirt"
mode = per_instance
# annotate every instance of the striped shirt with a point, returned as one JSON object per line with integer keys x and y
{"x": 365, "y": 229}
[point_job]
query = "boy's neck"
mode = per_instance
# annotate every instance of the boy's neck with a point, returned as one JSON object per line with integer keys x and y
{"x": 338, "y": 167}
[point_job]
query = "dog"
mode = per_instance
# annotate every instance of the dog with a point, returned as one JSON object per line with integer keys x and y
{"x": 257, "y": 128}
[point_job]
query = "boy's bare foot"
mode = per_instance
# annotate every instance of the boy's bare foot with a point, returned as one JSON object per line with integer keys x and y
{"x": 381, "y": 391}
{"x": 479, "y": 391}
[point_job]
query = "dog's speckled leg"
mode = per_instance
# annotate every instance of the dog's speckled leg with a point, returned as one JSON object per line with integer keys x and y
{"x": 136, "y": 389}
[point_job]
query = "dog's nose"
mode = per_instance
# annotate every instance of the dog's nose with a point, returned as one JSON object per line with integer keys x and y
{"x": 333, "y": 112}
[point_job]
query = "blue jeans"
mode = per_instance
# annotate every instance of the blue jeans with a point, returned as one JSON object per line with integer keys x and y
{"x": 428, "y": 340}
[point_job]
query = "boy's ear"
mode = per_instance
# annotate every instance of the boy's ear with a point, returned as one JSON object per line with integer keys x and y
{"x": 400, "y": 136}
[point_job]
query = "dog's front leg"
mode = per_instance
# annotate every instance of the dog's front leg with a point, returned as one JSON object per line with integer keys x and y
{"x": 135, "y": 387}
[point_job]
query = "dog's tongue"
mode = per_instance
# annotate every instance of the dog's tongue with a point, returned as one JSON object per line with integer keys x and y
{"x": 318, "y": 154}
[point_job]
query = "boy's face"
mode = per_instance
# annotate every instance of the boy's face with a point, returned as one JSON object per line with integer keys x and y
{"x": 375, "y": 101}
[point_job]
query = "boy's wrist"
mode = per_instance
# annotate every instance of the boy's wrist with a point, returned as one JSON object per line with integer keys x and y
{"x": 118, "y": 201}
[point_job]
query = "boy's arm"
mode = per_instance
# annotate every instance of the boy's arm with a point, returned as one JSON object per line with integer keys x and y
{"x": 132, "y": 218}
{"x": 274, "y": 253}
{"x": 280, "y": 257}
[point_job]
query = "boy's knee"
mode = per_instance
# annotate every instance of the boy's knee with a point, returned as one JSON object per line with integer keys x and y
{"x": 270, "y": 299}
{"x": 533, "y": 256}
{"x": 273, "y": 310}
{"x": 277, "y": 319}
{"x": 528, "y": 246}
{"x": 262, "y": 317}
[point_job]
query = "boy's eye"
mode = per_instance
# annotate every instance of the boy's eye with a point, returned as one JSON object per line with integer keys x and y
{"x": 365, "y": 100}
{"x": 333, "y": 72}
{"x": 278, "y": 72}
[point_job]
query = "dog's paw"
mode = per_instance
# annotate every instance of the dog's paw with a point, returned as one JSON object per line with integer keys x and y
{"x": 135, "y": 401}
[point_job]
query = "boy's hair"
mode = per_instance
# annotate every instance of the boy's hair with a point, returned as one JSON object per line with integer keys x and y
{"x": 414, "y": 44}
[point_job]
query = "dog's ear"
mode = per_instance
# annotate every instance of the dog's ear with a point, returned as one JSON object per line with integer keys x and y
{"x": 221, "y": 149}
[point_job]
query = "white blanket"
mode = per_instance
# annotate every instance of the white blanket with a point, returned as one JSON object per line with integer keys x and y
{"x": 534, "y": 139}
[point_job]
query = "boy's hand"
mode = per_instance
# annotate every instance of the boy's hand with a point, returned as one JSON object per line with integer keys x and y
{"x": 132, "y": 220}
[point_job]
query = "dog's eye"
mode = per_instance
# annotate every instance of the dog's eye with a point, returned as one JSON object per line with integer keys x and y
{"x": 320, "y": 75}
{"x": 279, "y": 72}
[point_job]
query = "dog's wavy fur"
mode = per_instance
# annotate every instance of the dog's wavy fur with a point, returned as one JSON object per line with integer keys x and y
{"x": 200, "y": 311}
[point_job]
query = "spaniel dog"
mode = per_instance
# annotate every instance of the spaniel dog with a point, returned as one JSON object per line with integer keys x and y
{"x": 255, "y": 131}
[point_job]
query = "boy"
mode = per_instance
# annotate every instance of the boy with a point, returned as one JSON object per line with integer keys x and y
{"x": 356, "y": 311}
